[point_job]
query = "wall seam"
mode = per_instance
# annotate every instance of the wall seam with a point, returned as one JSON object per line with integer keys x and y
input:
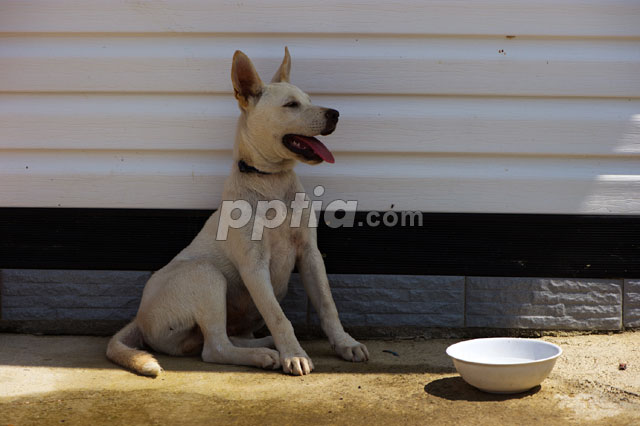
{"x": 464, "y": 302}
{"x": 622, "y": 304}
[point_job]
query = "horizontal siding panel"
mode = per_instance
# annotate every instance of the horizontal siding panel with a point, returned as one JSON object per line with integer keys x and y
{"x": 117, "y": 122}
{"x": 379, "y": 182}
{"x": 367, "y": 124}
{"x": 517, "y": 17}
{"x": 370, "y": 65}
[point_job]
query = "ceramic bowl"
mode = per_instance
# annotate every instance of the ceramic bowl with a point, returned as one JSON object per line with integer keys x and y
{"x": 502, "y": 364}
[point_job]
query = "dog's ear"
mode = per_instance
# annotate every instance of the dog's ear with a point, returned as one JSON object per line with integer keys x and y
{"x": 246, "y": 81}
{"x": 285, "y": 68}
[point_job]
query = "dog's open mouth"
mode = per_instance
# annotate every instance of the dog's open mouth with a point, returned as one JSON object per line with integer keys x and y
{"x": 309, "y": 147}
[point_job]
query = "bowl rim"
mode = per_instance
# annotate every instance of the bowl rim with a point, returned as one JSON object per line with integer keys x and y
{"x": 537, "y": 361}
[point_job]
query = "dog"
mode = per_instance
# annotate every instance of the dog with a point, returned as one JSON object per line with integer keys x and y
{"x": 216, "y": 293}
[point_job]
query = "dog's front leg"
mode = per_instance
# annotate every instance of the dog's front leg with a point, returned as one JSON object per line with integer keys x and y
{"x": 293, "y": 358}
{"x": 314, "y": 278}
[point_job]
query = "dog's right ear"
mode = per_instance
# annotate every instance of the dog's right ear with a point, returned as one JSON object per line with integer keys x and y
{"x": 246, "y": 81}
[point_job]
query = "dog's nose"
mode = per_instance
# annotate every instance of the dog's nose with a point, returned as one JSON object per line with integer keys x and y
{"x": 332, "y": 115}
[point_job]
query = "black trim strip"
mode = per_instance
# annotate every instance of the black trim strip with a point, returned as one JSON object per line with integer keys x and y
{"x": 588, "y": 246}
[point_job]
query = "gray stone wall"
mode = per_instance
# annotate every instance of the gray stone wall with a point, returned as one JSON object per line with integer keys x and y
{"x": 70, "y": 295}
{"x": 632, "y": 303}
{"x": 362, "y": 300}
{"x": 394, "y": 300}
{"x": 542, "y": 303}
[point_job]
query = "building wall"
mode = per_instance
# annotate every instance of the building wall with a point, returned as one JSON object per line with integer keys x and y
{"x": 486, "y": 106}
{"x": 505, "y": 106}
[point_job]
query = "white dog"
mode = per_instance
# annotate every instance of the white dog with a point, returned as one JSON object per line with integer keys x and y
{"x": 215, "y": 293}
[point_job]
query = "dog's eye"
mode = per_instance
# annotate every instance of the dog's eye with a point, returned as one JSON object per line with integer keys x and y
{"x": 292, "y": 104}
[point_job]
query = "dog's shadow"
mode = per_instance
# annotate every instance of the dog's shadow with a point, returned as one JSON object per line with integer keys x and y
{"x": 456, "y": 389}
{"x": 325, "y": 360}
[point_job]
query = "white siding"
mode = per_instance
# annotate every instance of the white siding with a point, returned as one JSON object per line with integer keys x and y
{"x": 446, "y": 106}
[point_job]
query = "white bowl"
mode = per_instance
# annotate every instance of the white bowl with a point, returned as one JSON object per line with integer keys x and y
{"x": 502, "y": 364}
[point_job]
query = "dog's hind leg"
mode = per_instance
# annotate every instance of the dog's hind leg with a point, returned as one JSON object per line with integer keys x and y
{"x": 219, "y": 349}
{"x": 212, "y": 320}
{"x": 251, "y": 342}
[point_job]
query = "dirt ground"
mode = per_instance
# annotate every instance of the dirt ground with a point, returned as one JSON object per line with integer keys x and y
{"x": 67, "y": 380}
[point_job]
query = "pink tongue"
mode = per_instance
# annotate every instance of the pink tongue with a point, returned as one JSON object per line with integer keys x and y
{"x": 317, "y": 147}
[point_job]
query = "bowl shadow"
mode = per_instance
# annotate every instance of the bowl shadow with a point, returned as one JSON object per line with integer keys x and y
{"x": 456, "y": 389}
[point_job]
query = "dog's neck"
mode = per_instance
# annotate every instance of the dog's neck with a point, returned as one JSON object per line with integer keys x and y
{"x": 255, "y": 176}
{"x": 250, "y": 160}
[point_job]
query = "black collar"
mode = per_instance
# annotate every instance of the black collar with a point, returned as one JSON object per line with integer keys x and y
{"x": 245, "y": 168}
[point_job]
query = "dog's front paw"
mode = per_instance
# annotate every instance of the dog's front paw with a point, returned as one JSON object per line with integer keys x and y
{"x": 297, "y": 364}
{"x": 351, "y": 350}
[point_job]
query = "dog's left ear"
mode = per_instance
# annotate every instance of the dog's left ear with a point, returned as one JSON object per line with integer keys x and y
{"x": 285, "y": 69}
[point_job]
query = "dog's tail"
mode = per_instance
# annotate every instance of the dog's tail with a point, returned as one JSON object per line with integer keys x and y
{"x": 122, "y": 350}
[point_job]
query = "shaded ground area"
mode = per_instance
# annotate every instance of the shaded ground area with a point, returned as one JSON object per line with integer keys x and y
{"x": 67, "y": 380}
